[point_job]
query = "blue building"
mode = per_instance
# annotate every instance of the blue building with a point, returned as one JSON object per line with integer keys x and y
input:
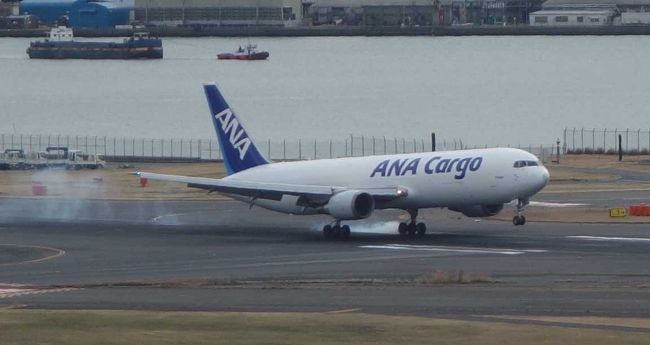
{"x": 80, "y": 13}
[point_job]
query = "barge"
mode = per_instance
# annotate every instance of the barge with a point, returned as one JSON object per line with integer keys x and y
{"x": 60, "y": 44}
{"x": 248, "y": 53}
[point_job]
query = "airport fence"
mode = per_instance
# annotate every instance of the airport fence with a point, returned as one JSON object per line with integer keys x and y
{"x": 592, "y": 140}
{"x": 171, "y": 149}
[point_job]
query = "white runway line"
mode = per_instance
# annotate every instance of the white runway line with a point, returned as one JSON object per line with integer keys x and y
{"x": 464, "y": 250}
{"x": 555, "y": 204}
{"x": 9, "y": 293}
{"x": 619, "y": 239}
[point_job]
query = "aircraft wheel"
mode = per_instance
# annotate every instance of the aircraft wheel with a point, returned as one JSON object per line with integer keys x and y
{"x": 421, "y": 229}
{"x": 345, "y": 232}
{"x": 412, "y": 229}
{"x": 519, "y": 220}
{"x": 403, "y": 228}
{"x": 328, "y": 231}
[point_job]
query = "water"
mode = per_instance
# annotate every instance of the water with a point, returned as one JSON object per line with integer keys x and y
{"x": 483, "y": 90}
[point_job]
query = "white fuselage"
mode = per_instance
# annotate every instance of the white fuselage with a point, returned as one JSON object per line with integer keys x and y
{"x": 453, "y": 179}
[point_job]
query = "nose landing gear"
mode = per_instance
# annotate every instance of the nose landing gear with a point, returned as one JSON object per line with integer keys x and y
{"x": 412, "y": 228}
{"x": 520, "y": 219}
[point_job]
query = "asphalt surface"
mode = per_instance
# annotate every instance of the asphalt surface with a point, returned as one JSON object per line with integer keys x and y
{"x": 222, "y": 256}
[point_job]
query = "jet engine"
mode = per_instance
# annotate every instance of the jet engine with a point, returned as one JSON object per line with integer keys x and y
{"x": 479, "y": 210}
{"x": 350, "y": 204}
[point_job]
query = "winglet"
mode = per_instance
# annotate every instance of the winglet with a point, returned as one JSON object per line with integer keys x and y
{"x": 239, "y": 151}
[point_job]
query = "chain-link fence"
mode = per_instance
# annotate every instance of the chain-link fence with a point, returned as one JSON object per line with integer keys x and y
{"x": 166, "y": 149}
{"x": 115, "y": 148}
{"x": 592, "y": 140}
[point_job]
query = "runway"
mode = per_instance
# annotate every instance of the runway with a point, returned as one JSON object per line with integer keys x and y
{"x": 222, "y": 256}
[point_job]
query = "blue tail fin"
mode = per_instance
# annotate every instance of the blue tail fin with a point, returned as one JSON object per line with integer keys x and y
{"x": 239, "y": 151}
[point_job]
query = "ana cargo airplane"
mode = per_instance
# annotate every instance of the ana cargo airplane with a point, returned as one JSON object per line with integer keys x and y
{"x": 476, "y": 183}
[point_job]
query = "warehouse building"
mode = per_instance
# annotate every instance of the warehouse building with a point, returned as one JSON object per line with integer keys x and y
{"x": 419, "y": 12}
{"x": 79, "y": 13}
{"x": 592, "y": 12}
{"x": 574, "y": 17}
{"x": 218, "y": 12}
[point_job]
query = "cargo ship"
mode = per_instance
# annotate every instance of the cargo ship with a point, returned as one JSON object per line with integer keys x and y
{"x": 60, "y": 44}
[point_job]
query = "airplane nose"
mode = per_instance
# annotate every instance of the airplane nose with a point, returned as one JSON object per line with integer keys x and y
{"x": 545, "y": 175}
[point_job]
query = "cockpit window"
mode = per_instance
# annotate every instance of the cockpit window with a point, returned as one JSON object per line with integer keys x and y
{"x": 521, "y": 164}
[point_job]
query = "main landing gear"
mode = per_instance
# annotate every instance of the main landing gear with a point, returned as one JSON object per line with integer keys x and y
{"x": 520, "y": 219}
{"x": 412, "y": 228}
{"x": 336, "y": 231}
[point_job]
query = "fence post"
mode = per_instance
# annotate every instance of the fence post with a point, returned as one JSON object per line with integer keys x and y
{"x": 171, "y": 147}
{"x": 284, "y": 149}
{"x": 627, "y": 132}
{"x": 395, "y": 145}
{"x": 363, "y": 146}
{"x": 314, "y": 149}
{"x": 384, "y": 144}
{"x": 616, "y": 139}
{"x": 190, "y": 148}
{"x": 573, "y": 139}
{"x": 133, "y": 146}
{"x": 162, "y": 148}
{"x": 605, "y": 140}
{"x": 330, "y": 148}
{"x": 30, "y": 143}
{"x": 299, "y": 149}
{"x": 638, "y": 141}
{"x": 373, "y": 146}
{"x": 346, "y": 147}
{"x": 210, "y": 149}
{"x": 269, "y": 150}
{"x": 582, "y": 139}
{"x": 593, "y": 140}
{"x": 351, "y": 146}
{"x": 198, "y": 148}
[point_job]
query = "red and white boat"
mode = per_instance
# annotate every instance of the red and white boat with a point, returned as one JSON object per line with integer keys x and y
{"x": 248, "y": 53}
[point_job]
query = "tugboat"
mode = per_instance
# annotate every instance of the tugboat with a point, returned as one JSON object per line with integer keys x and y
{"x": 248, "y": 53}
{"x": 60, "y": 44}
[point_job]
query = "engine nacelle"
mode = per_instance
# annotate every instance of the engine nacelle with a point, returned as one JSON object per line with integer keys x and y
{"x": 350, "y": 204}
{"x": 479, "y": 210}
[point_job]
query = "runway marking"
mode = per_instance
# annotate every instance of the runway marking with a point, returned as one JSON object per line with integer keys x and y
{"x": 465, "y": 250}
{"x": 10, "y": 293}
{"x": 555, "y": 204}
{"x": 58, "y": 253}
{"x": 619, "y": 239}
{"x": 343, "y": 311}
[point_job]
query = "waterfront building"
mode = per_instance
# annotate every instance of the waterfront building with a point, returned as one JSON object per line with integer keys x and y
{"x": 79, "y": 13}
{"x": 218, "y": 13}
{"x": 418, "y": 12}
{"x": 592, "y": 12}
{"x": 9, "y": 8}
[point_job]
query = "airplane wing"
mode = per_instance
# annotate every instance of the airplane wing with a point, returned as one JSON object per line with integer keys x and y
{"x": 272, "y": 191}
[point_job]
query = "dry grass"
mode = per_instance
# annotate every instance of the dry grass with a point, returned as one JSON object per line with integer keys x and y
{"x": 136, "y": 327}
{"x": 111, "y": 183}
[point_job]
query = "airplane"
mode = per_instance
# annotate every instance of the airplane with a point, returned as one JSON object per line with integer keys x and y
{"x": 476, "y": 183}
